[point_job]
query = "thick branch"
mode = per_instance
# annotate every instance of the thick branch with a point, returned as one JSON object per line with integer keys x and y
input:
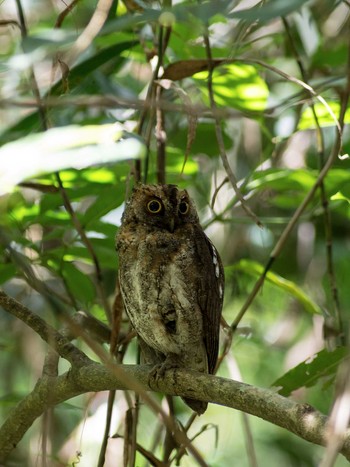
{"x": 300, "y": 419}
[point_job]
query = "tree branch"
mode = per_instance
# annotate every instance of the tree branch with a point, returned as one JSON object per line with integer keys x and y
{"x": 300, "y": 419}
{"x": 85, "y": 376}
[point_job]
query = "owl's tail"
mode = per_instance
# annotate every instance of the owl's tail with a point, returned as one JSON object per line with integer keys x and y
{"x": 198, "y": 406}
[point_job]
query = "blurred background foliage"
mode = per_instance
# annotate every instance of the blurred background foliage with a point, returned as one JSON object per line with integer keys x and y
{"x": 76, "y": 149}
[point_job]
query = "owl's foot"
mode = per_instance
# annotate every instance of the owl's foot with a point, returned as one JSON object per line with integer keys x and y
{"x": 158, "y": 371}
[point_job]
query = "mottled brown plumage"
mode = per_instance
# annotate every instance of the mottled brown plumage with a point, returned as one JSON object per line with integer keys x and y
{"x": 172, "y": 281}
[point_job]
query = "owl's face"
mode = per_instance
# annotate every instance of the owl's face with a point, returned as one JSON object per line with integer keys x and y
{"x": 161, "y": 206}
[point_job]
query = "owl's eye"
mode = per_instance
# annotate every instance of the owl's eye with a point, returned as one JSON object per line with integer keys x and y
{"x": 183, "y": 207}
{"x": 154, "y": 206}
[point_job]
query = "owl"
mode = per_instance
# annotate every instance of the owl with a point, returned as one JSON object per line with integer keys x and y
{"x": 172, "y": 281}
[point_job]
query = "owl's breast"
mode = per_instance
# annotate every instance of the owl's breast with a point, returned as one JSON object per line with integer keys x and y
{"x": 158, "y": 277}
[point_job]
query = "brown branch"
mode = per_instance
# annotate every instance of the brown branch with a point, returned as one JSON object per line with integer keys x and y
{"x": 94, "y": 26}
{"x": 61, "y": 17}
{"x": 85, "y": 376}
{"x": 300, "y": 419}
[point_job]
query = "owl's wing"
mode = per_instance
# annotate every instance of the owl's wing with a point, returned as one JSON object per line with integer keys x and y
{"x": 211, "y": 295}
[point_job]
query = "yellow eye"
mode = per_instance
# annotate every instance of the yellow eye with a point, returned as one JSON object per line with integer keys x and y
{"x": 154, "y": 206}
{"x": 183, "y": 207}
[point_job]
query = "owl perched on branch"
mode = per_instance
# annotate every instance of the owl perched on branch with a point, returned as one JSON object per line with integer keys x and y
{"x": 172, "y": 281}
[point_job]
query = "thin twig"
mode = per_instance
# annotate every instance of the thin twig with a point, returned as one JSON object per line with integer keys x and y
{"x": 103, "y": 448}
{"x": 297, "y": 214}
{"x": 35, "y": 88}
{"x": 77, "y": 224}
{"x": 324, "y": 198}
{"x": 113, "y": 341}
{"x": 61, "y": 17}
{"x": 161, "y": 138}
{"x": 220, "y": 138}
{"x": 94, "y": 26}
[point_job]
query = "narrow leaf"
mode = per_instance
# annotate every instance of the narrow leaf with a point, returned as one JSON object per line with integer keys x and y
{"x": 272, "y": 9}
{"x": 256, "y": 269}
{"x": 309, "y": 372}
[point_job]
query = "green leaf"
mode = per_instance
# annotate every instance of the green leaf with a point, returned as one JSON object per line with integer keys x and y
{"x": 105, "y": 228}
{"x": 308, "y": 373}
{"x": 236, "y": 85}
{"x": 182, "y": 12}
{"x": 204, "y": 141}
{"x": 82, "y": 71}
{"x": 324, "y": 118}
{"x": 79, "y": 283}
{"x": 61, "y": 148}
{"x": 272, "y": 9}
{"x": 255, "y": 269}
{"x": 105, "y": 251}
{"x": 283, "y": 179}
{"x": 108, "y": 199}
{"x": 7, "y": 271}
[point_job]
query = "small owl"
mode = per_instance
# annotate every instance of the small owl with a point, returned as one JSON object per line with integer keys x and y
{"x": 172, "y": 281}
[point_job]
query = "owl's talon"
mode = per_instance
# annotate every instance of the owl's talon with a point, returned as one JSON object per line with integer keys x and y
{"x": 158, "y": 371}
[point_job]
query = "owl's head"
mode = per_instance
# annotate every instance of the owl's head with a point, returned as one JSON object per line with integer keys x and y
{"x": 162, "y": 206}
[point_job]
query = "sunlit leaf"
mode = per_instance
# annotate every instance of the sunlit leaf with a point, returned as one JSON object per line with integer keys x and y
{"x": 236, "y": 85}
{"x": 324, "y": 118}
{"x": 309, "y": 372}
{"x": 256, "y": 269}
{"x": 61, "y": 148}
{"x": 340, "y": 197}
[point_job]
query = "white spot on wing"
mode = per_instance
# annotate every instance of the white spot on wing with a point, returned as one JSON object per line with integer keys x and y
{"x": 216, "y": 262}
{"x": 221, "y": 292}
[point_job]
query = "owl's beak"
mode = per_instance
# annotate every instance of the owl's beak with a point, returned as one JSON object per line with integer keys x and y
{"x": 171, "y": 224}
